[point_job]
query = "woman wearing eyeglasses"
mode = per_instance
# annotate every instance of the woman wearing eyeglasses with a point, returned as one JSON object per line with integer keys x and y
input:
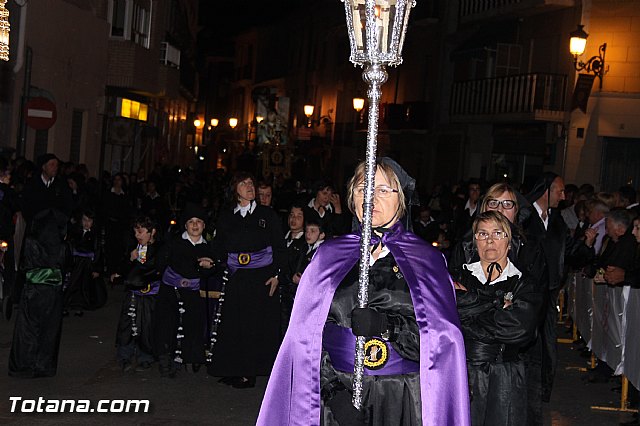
{"x": 415, "y": 368}
{"x": 498, "y": 308}
{"x": 502, "y": 198}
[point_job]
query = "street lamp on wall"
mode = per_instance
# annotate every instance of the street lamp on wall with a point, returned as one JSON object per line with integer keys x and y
{"x": 233, "y": 122}
{"x": 595, "y": 64}
{"x": 308, "y": 112}
{"x": 215, "y": 122}
{"x": 358, "y": 104}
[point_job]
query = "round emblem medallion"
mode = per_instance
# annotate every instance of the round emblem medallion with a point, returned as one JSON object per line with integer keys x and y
{"x": 375, "y": 354}
{"x": 244, "y": 258}
{"x": 184, "y": 282}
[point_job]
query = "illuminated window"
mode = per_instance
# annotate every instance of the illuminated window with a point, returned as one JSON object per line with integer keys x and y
{"x": 132, "y": 109}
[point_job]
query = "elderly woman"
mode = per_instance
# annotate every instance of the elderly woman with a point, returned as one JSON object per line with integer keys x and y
{"x": 498, "y": 307}
{"x": 249, "y": 239}
{"x": 414, "y": 363}
{"x": 502, "y": 198}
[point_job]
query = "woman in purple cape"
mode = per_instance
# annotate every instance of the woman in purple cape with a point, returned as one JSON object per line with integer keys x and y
{"x": 415, "y": 370}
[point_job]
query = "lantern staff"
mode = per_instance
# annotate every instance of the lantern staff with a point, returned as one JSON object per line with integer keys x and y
{"x": 376, "y": 34}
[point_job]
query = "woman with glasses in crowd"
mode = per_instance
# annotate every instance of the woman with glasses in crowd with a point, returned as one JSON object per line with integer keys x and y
{"x": 502, "y": 198}
{"x": 498, "y": 307}
{"x": 414, "y": 366}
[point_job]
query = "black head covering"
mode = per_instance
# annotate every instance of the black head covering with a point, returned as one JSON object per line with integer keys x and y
{"x": 408, "y": 185}
{"x": 542, "y": 184}
{"x": 45, "y": 158}
{"x": 192, "y": 210}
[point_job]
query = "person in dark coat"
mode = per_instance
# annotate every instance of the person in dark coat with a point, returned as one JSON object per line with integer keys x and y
{"x": 36, "y": 337}
{"x": 326, "y": 208}
{"x": 45, "y": 190}
{"x": 185, "y": 260}
{"x": 249, "y": 238}
{"x": 134, "y": 338}
{"x": 498, "y": 307}
{"x": 545, "y": 228}
{"x": 116, "y": 210}
{"x": 82, "y": 291}
{"x": 296, "y": 246}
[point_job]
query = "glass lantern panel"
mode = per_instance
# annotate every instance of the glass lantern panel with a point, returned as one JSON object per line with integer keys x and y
{"x": 385, "y": 20}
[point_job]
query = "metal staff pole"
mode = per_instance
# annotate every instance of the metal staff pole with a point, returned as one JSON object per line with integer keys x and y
{"x": 375, "y": 44}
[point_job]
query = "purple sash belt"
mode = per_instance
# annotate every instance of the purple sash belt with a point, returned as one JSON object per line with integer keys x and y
{"x": 380, "y": 357}
{"x": 149, "y": 290}
{"x": 88, "y": 254}
{"x": 257, "y": 259}
{"x": 172, "y": 278}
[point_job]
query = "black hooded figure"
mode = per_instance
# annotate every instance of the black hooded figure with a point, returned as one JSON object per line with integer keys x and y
{"x": 36, "y": 338}
{"x": 553, "y": 239}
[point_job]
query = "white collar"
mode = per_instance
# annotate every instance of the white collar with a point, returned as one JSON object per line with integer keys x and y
{"x": 153, "y": 196}
{"x": 46, "y": 182}
{"x": 290, "y": 237}
{"x": 249, "y": 208}
{"x": 385, "y": 251}
{"x": 468, "y": 206}
{"x": 545, "y": 222}
{"x": 476, "y": 270}
{"x": 314, "y": 246}
{"x": 185, "y": 236}
{"x": 630, "y": 206}
{"x": 114, "y": 191}
{"x": 328, "y": 207}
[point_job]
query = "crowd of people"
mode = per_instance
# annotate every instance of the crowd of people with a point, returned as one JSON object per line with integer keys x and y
{"x": 463, "y": 288}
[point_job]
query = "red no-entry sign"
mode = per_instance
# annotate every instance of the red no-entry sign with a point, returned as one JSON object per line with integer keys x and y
{"x": 40, "y": 113}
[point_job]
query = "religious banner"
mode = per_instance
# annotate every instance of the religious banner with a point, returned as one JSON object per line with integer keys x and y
{"x": 582, "y": 91}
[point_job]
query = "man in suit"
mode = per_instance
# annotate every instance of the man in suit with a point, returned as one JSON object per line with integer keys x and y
{"x": 46, "y": 190}
{"x": 546, "y": 228}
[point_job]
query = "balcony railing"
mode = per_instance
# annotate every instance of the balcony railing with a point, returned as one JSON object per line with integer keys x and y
{"x": 472, "y": 7}
{"x": 524, "y": 95}
{"x": 482, "y": 9}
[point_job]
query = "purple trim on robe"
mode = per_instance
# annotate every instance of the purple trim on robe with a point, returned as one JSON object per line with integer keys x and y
{"x": 257, "y": 259}
{"x": 293, "y": 393}
{"x": 339, "y": 343}
{"x": 88, "y": 254}
{"x": 172, "y": 278}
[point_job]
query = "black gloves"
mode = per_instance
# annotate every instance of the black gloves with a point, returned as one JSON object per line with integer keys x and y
{"x": 368, "y": 322}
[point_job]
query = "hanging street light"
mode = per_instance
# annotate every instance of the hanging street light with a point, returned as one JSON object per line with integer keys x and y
{"x": 376, "y": 34}
{"x": 4, "y": 31}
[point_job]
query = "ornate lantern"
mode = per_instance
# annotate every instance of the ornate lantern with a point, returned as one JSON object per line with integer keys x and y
{"x": 376, "y": 34}
{"x": 4, "y": 31}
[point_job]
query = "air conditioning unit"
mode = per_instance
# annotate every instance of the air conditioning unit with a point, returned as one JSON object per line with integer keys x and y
{"x": 169, "y": 55}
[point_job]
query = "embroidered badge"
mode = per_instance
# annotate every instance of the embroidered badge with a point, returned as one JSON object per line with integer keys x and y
{"x": 376, "y": 354}
{"x": 244, "y": 258}
{"x": 262, "y": 223}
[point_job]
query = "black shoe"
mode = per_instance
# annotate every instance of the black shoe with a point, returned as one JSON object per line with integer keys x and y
{"x": 229, "y": 381}
{"x": 125, "y": 366}
{"x": 143, "y": 366}
{"x": 195, "y": 367}
{"x": 244, "y": 383}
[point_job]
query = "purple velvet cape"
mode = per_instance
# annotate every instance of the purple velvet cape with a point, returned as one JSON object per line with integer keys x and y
{"x": 292, "y": 396}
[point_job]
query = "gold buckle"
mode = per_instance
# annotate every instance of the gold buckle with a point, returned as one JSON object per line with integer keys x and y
{"x": 244, "y": 258}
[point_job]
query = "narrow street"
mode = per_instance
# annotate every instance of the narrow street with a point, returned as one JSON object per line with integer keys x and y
{"x": 88, "y": 370}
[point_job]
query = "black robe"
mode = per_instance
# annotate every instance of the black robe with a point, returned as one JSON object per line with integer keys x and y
{"x": 36, "y": 337}
{"x": 137, "y": 276}
{"x": 494, "y": 337}
{"x": 296, "y": 248}
{"x": 394, "y": 399}
{"x": 249, "y": 334}
{"x": 182, "y": 256}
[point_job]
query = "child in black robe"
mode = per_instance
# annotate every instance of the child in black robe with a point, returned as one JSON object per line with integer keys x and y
{"x": 134, "y": 338}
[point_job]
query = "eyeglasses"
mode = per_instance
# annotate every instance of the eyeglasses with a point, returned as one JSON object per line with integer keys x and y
{"x": 382, "y": 191}
{"x": 506, "y": 204}
{"x": 494, "y": 235}
{"x": 248, "y": 182}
